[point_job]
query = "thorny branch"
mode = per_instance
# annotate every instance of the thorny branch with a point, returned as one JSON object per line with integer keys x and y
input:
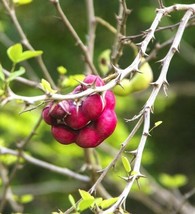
{"x": 150, "y": 102}
{"x": 147, "y": 109}
{"x": 43, "y": 164}
{"x": 144, "y": 116}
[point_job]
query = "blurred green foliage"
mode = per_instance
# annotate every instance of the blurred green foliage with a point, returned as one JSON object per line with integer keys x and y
{"x": 170, "y": 148}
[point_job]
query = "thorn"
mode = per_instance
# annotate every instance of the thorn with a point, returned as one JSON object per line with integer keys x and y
{"x": 93, "y": 84}
{"x": 137, "y": 181}
{"x": 165, "y": 87}
{"x": 102, "y": 96}
{"x": 161, "y": 61}
{"x": 134, "y": 152}
{"x": 141, "y": 175}
{"x": 117, "y": 70}
{"x": 120, "y": 85}
{"x": 124, "y": 178}
{"x": 82, "y": 83}
{"x": 154, "y": 84}
{"x": 139, "y": 44}
{"x": 146, "y": 134}
{"x": 174, "y": 50}
{"x": 152, "y": 109}
{"x": 143, "y": 53}
{"x": 135, "y": 117}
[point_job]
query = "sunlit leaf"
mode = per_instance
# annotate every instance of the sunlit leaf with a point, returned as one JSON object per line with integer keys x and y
{"x": 73, "y": 80}
{"x": 29, "y": 54}
{"x": 61, "y": 70}
{"x": 85, "y": 195}
{"x": 108, "y": 202}
{"x": 22, "y": 2}
{"x": 97, "y": 201}
{"x": 173, "y": 181}
{"x": 85, "y": 204}
{"x": 47, "y": 87}
{"x": 16, "y": 74}
{"x": 157, "y": 123}
{"x": 16, "y": 54}
{"x": 24, "y": 199}
{"x": 126, "y": 164}
{"x": 72, "y": 201}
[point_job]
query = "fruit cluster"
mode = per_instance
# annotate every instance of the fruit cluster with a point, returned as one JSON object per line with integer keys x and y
{"x": 86, "y": 122}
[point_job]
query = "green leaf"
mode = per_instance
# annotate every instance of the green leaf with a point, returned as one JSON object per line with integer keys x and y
{"x": 97, "y": 201}
{"x": 16, "y": 74}
{"x": 126, "y": 164}
{"x": 158, "y": 123}
{"x": 24, "y": 199}
{"x": 22, "y": 2}
{"x": 29, "y": 54}
{"x": 73, "y": 80}
{"x": 2, "y": 76}
{"x": 72, "y": 201}
{"x": 85, "y": 195}
{"x": 16, "y": 54}
{"x": 61, "y": 70}
{"x": 173, "y": 181}
{"x": 108, "y": 202}
{"x": 8, "y": 159}
{"x": 85, "y": 204}
{"x": 47, "y": 87}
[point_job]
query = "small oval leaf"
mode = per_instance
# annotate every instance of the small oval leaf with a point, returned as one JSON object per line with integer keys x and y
{"x": 108, "y": 202}
{"x": 72, "y": 201}
{"x": 126, "y": 164}
{"x": 85, "y": 195}
{"x": 22, "y": 2}
{"x": 14, "y": 52}
{"x": 16, "y": 74}
{"x": 47, "y": 87}
{"x": 85, "y": 204}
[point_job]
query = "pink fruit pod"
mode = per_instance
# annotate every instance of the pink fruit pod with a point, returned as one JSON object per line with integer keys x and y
{"x": 63, "y": 134}
{"x": 110, "y": 100}
{"x": 93, "y": 79}
{"x": 76, "y": 118}
{"x": 93, "y": 106}
{"x": 59, "y": 110}
{"x": 78, "y": 89}
{"x": 88, "y": 137}
{"x": 106, "y": 123}
{"x": 47, "y": 117}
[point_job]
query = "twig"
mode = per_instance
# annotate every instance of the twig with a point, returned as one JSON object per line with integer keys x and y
{"x": 75, "y": 35}
{"x": 17, "y": 164}
{"x": 124, "y": 144}
{"x": 43, "y": 164}
{"x": 106, "y": 24}
{"x": 148, "y": 106}
{"x": 136, "y": 168}
{"x": 12, "y": 13}
{"x": 91, "y": 31}
{"x": 112, "y": 164}
{"x": 7, "y": 194}
{"x": 121, "y": 31}
{"x": 24, "y": 80}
